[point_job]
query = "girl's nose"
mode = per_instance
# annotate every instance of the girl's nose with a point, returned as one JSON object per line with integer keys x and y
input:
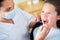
{"x": 45, "y": 15}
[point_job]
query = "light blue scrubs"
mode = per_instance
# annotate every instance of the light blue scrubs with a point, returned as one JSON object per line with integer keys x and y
{"x": 54, "y": 34}
{"x": 17, "y": 31}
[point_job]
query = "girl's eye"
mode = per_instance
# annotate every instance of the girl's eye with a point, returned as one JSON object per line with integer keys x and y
{"x": 46, "y": 12}
{"x": 42, "y": 11}
{"x": 49, "y": 12}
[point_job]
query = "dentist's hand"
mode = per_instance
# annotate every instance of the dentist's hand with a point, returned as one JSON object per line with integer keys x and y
{"x": 34, "y": 20}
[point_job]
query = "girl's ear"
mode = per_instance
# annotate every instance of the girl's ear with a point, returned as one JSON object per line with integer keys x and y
{"x": 58, "y": 17}
{"x": 58, "y": 21}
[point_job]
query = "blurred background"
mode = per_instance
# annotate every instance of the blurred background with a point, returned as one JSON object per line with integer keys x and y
{"x": 30, "y": 6}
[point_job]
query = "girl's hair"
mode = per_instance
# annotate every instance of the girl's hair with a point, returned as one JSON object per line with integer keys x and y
{"x": 58, "y": 23}
{"x": 56, "y": 3}
{"x": 1, "y": 2}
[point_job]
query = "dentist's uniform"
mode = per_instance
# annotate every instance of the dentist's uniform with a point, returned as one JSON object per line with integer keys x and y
{"x": 19, "y": 30}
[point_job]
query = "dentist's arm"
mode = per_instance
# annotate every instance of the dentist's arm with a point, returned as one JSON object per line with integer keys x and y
{"x": 30, "y": 18}
{"x": 34, "y": 20}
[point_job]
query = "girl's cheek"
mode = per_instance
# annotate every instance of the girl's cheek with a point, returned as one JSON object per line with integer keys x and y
{"x": 50, "y": 19}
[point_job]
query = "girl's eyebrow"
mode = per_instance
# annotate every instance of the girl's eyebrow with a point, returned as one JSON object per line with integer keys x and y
{"x": 47, "y": 11}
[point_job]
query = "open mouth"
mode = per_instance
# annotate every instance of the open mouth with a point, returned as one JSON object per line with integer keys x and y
{"x": 45, "y": 22}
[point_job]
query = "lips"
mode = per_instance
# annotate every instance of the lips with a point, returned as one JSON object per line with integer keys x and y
{"x": 45, "y": 21}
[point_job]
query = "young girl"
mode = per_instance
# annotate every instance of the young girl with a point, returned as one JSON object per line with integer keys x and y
{"x": 49, "y": 15}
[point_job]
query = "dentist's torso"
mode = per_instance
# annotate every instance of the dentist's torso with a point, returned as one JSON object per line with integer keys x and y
{"x": 17, "y": 31}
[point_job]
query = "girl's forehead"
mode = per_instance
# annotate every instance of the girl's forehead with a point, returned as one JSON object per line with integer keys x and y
{"x": 48, "y": 6}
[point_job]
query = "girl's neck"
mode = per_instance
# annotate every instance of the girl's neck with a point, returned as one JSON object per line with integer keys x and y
{"x": 55, "y": 26}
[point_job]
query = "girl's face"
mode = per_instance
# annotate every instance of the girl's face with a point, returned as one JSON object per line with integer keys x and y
{"x": 49, "y": 14}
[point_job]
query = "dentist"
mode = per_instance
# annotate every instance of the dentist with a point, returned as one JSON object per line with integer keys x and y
{"x": 14, "y": 22}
